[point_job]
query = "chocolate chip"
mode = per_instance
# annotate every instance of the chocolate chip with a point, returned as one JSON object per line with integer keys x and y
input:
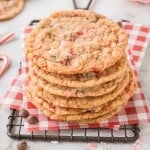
{"x": 32, "y": 119}
{"x": 23, "y": 113}
{"x": 22, "y": 145}
{"x": 119, "y": 23}
{"x": 80, "y": 92}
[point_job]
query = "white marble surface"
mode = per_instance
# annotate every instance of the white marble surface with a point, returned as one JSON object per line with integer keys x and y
{"x": 35, "y": 9}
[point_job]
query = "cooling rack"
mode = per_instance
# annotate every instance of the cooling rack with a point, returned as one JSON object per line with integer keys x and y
{"x": 126, "y": 133}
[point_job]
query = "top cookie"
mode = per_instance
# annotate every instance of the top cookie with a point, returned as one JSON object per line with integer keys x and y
{"x": 78, "y": 41}
{"x": 10, "y": 8}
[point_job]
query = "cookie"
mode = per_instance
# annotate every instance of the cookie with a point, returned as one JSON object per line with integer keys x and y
{"x": 94, "y": 120}
{"x": 112, "y": 105}
{"x": 65, "y": 41}
{"x": 98, "y": 90}
{"x": 85, "y": 80}
{"x": 84, "y": 102}
{"x": 10, "y": 8}
{"x": 57, "y": 110}
{"x": 85, "y": 115}
{"x": 60, "y": 110}
{"x": 53, "y": 108}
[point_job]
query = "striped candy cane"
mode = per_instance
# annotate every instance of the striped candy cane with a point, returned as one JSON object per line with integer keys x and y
{"x": 7, "y": 38}
{"x": 142, "y": 1}
{"x": 5, "y": 64}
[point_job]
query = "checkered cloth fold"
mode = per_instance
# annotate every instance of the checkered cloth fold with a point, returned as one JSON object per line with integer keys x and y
{"x": 135, "y": 112}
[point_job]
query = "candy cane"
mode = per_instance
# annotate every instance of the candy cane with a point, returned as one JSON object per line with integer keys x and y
{"x": 6, "y": 63}
{"x": 137, "y": 145}
{"x": 142, "y": 1}
{"x": 7, "y": 38}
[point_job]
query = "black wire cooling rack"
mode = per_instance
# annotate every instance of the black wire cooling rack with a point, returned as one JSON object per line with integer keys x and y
{"x": 86, "y": 7}
{"x": 126, "y": 133}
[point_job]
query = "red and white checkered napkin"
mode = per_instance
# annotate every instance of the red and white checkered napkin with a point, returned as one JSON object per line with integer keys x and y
{"x": 135, "y": 112}
{"x": 139, "y": 37}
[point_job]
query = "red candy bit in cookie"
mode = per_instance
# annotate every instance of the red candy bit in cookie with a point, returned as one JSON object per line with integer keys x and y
{"x": 95, "y": 69}
{"x": 2, "y": 8}
{"x": 79, "y": 33}
{"x": 22, "y": 145}
{"x": 35, "y": 56}
{"x": 68, "y": 94}
{"x": 65, "y": 61}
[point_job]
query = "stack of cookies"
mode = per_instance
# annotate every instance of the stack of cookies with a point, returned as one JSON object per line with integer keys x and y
{"x": 78, "y": 69}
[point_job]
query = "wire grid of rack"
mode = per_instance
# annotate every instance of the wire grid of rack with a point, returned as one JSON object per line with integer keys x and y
{"x": 126, "y": 133}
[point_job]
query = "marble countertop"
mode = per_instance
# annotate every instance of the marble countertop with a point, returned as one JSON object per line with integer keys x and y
{"x": 35, "y": 9}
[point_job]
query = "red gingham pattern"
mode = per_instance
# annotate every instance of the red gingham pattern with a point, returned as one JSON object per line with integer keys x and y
{"x": 13, "y": 97}
{"x": 135, "y": 112}
{"x": 139, "y": 37}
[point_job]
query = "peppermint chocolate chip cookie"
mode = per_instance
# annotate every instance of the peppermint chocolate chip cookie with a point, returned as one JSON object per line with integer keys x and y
{"x": 78, "y": 41}
{"x": 10, "y": 8}
{"x": 83, "y": 80}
